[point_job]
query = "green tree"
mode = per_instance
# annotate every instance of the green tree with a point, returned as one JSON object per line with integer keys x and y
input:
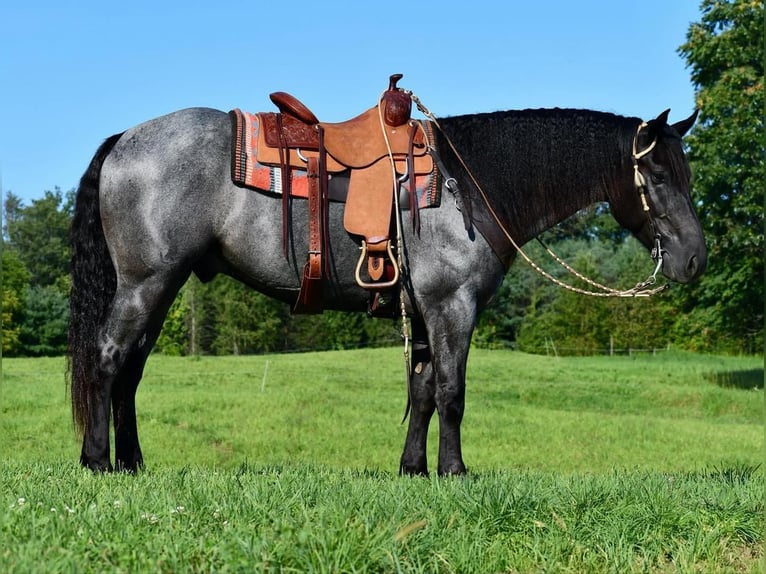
{"x": 15, "y": 282}
{"x": 637, "y": 323}
{"x": 246, "y": 321}
{"x": 523, "y": 291}
{"x": 726, "y": 150}
{"x": 582, "y": 324}
{"x": 575, "y": 323}
{"x": 39, "y": 235}
{"x": 44, "y": 325}
{"x": 174, "y": 337}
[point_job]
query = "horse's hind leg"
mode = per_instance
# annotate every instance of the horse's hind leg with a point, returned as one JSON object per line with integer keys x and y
{"x": 130, "y": 331}
{"x": 127, "y": 451}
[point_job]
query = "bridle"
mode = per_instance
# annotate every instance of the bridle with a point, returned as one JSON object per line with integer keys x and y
{"x": 639, "y": 181}
{"x": 643, "y": 289}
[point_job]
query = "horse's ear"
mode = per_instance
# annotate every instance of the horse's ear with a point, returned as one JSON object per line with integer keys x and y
{"x": 685, "y": 125}
{"x": 656, "y": 125}
{"x": 661, "y": 120}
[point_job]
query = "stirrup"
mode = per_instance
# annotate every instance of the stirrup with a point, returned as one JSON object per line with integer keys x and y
{"x": 379, "y": 285}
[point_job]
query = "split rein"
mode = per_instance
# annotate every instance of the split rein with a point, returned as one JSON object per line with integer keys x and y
{"x": 643, "y": 289}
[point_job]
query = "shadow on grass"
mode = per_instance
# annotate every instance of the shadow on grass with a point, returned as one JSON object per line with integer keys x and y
{"x": 745, "y": 379}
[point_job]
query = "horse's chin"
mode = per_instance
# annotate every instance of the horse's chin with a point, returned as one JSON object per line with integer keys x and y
{"x": 684, "y": 269}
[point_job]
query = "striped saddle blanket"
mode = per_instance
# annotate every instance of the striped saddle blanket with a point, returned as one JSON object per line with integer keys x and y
{"x": 247, "y": 172}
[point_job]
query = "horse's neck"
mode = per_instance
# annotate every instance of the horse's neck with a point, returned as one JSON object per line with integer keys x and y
{"x": 539, "y": 167}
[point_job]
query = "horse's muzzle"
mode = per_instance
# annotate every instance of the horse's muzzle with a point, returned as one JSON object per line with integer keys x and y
{"x": 684, "y": 268}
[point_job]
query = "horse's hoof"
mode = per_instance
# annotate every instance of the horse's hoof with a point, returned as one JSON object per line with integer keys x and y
{"x": 412, "y": 470}
{"x": 454, "y": 469}
{"x": 131, "y": 467}
{"x": 97, "y": 467}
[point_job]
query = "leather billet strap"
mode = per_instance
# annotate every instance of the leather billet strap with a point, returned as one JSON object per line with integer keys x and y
{"x": 310, "y": 295}
{"x": 324, "y": 202}
{"x": 284, "y": 164}
{"x": 318, "y": 263}
{"x": 314, "y": 263}
{"x": 415, "y": 212}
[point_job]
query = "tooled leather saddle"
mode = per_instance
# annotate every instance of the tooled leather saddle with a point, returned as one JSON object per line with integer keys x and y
{"x": 380, "y": 148}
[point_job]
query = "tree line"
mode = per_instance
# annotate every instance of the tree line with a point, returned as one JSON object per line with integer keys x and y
{"x": 722, "y": 312}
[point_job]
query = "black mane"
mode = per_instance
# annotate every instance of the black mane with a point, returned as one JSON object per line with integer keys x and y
{"x": 542, "y": 165}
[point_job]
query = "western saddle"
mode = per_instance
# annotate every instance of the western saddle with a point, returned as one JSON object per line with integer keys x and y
{"x": 379, "y": 149}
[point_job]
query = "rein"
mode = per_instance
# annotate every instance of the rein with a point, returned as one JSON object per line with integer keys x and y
{"x": 642, "y": 289}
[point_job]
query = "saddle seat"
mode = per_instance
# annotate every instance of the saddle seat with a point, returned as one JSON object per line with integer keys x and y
{"x": 377, "y": 147}
{"x": 356, "y": 143}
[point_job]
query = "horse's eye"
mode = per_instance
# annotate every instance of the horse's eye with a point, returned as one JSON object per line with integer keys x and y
{"x": 657, "y": 177}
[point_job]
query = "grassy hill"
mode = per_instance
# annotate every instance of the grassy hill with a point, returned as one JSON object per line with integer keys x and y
{"x": 287, "y": 463}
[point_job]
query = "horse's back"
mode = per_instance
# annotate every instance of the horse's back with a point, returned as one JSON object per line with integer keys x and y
{"x": 169, "y": 153}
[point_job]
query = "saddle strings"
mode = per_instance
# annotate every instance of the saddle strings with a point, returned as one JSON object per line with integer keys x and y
{"x": 639, "y": 290}
{"x": 399, "y": 249}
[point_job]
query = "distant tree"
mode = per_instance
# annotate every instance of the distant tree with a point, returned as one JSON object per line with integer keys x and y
{"x": 39, "y": 235}
{"x": 726, "y": 150}
{"x": 12, "y": 206}
{"x": 576, "y": 323}
{"x": 637, "y": 323}
{"x": 522, "y": 291}
{"x": 246, "y": 321}
{"x": 15, "y": 283}
{"x": 335, "y": 330}
{"x": 581, "y": 324}
{"x": 44, "y": 325}
{"x": 174, "y": 337}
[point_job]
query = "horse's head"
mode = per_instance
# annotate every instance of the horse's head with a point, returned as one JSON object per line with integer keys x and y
{"x": 658, "y": 210}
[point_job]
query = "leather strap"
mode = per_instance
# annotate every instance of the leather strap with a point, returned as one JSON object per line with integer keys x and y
{"x": 413, "y": 189}
{"x": 284, "y": 164}
{"x": 310, "y": 296}
{"x": 324, "y": 202}
{"x": 314, "y": 264}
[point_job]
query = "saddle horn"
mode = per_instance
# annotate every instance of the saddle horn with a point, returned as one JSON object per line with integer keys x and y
{"x": 397, "y": 104}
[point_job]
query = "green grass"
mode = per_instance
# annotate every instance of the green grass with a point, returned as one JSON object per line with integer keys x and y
{"x": 343, "y": 410}
{"x": 611, "y": 464}
{"x": 314, "y": 519}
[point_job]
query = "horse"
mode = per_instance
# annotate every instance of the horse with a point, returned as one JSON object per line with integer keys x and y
{"x": 157, "y": 204}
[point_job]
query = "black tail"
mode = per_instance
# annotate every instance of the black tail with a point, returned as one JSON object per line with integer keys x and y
{"x": 93, "y": 285}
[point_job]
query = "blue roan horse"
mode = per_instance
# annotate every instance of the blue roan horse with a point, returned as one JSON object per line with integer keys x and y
{"x": 157, "y": 203}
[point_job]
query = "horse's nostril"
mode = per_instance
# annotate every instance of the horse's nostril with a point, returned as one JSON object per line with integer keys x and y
{"x": 696, "y": 265}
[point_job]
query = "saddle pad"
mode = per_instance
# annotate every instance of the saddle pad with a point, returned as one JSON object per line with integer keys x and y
{"x": 247, "y": 172}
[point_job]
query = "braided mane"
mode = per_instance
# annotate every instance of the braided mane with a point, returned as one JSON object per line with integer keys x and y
{"x": 540, "y": 166}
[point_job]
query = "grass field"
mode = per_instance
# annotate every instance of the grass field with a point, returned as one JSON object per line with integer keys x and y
{"x": 288, "y": 463}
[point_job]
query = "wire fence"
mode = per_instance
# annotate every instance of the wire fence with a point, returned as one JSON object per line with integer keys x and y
{"x": 551, "y": 349}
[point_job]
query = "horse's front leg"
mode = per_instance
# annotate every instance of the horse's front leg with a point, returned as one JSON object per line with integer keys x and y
{"x": 450, "y": 404}
{"x": 438, "y": 383}
{"x": 450, "y": 336}
{"x": 422, "y": 404}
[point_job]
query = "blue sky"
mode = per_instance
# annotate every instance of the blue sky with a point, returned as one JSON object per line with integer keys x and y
{"x": 75, "y": 72}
